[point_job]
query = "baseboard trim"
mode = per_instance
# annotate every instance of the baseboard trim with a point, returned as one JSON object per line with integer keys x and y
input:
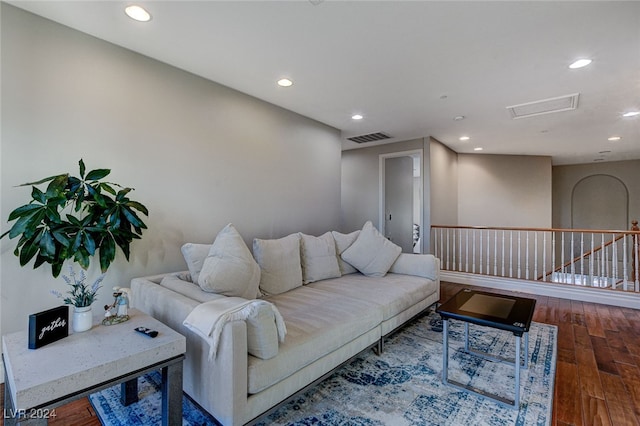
{"x": 562, "y": 291}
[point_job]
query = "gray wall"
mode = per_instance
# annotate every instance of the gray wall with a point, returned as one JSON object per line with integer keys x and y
{"x": 444, "y": 188}
{"x": 504, "y": 190}
{"x": 565, "y": 179}
{"x": 199, "y": 154}
{"x": 360, "y": 182}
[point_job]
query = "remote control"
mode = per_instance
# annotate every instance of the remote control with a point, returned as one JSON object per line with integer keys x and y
{"x": 147, "y": 331}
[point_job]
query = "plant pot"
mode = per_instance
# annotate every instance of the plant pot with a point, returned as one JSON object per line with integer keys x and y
{"x": 82, "y": 319}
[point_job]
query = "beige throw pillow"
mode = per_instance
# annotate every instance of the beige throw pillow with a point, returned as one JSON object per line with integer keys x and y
{"x": 318, "y": 255}
{"x": 229, "y": 269}
{"x": 194, "y": 255}
{"x": 279, "y": 261}
{"x": 343, "y": 242}
{"x": 371, "y": 253}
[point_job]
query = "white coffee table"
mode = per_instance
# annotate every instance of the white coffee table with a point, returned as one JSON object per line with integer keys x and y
{"x": 39, "y": 380}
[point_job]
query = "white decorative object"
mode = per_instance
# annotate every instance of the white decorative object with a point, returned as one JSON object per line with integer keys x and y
{"x": 82, "y": 319}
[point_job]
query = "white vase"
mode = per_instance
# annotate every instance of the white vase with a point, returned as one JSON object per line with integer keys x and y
{"x": 82, "y": 319}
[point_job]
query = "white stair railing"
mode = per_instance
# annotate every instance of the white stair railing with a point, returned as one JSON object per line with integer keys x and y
{"x": 583, "y": 257}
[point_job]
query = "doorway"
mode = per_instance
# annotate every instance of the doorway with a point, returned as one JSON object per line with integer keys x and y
{"x": 401, "y": 199}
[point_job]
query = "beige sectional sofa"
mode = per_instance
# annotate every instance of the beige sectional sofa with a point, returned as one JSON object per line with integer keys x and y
{"x": 250, "y": 366}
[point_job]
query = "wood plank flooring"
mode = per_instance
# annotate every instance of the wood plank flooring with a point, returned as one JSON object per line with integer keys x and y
{"x": 597, "y": 373}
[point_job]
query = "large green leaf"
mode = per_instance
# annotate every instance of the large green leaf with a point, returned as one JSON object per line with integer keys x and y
{"x": 82, "y": 167}
{"x": 27, "y": 223}
{"x": 38, "y": 195}
{"x": 97, "y": 174}
{"x": 29, "y": 249}
{"x": 23, "y": 210}
{"x": 47, "y": 245}
{"x": 57, "y": 186}
{"x": 138, "y": 206}
{"x": 107, "y": 252}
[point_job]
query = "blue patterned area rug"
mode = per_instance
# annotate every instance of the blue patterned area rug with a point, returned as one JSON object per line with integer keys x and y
{"x": 401, "y": 387}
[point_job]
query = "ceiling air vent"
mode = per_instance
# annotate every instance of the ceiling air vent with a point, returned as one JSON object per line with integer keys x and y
{"x": 545, "y": 106}
{"x": 371, "y": 137}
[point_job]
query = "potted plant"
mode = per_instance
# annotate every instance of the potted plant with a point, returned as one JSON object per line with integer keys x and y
{"x": 74, "y": 219}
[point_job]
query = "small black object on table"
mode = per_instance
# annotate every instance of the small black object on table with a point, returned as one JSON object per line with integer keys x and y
{"x": 509, "y": 313}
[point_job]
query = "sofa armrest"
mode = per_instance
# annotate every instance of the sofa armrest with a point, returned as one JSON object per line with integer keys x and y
{"x": 219, "y": 385}
{"x": 420, "y": 265}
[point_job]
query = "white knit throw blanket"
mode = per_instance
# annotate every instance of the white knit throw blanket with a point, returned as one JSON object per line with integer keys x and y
{"x": 208, "y": 319}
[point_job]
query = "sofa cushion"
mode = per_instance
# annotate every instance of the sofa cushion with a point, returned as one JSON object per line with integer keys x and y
{"x": 318, "y": 322}
{"x": 393, "y": 293}
{"x": 230, "y": 269}
{"x": 195, "y": 254}
{"x": 279, "y": 261}
{"x": 187, "y": 288}
{"x": 343, "y": 242}
{"x": 371, "y": 253}
{"x": 318, "y": 256}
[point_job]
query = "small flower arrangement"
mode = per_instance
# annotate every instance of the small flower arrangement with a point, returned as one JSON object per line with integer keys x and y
{"x": 81, "y": 294}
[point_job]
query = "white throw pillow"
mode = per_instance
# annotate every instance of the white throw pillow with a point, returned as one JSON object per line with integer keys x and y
{"x": 194, "y": 255}
{"x": 229, "y": 269}
{"x": 279, "y": 262}
{"x": 318, "y": 255}
{"x": 343, "y": 242}
{"x": 371, "y": 253}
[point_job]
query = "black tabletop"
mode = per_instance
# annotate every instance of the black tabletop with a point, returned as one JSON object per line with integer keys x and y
{"x": 490, "y": 309}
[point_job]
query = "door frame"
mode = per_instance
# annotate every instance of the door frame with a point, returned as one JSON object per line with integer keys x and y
{"x": 381, "y": 187}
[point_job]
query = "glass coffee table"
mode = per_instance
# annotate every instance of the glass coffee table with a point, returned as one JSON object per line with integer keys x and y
{"x": 493, "y": 310}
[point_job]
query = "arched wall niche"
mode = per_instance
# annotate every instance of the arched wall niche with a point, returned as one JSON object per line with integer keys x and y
{"x": 600, "y": 202}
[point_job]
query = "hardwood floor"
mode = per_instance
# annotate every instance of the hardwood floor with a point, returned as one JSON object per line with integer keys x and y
{"x": 597, "y": 373}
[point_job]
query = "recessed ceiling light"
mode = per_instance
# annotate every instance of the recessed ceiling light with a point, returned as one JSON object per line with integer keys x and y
{"x": 580, "y": 63}
{"x": 357, "y": 117}
{"x": 137, "y": 13}
{"x": 631, "y": 114}
{"x": 478, "y": 148}
{"x": 464, "y": 138}
{"x": 285, "y": 82}
{"x": 458, "y": 118}
{"x": 614, "y": 138}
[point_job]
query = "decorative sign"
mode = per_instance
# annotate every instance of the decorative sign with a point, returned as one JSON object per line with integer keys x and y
{"x": 48, "y": 326}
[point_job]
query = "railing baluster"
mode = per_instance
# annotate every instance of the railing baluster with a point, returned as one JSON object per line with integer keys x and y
{"x": 602, "y": 265}
{"x": 591, "y": 274}
{"x": 573, "y": 266}
{"x": 614, "y": 265}
{"x": 460, "y": 250}
{"x": 582, "y": 280}
{"x": 511, "y": 254}
{"x": 473, "y": 251}
{"x": 448, "y": 252}
{"x": 503, "y": 242}
{"x": 481, "y": 247}
{"x": 466, "y": 252}
{"x": 625, "y": 265}
{"x": 518, "y": 260}
{"x": 535, "y": 256}
{"x": 495, "y": 252}
{"x": 636, "y": 239}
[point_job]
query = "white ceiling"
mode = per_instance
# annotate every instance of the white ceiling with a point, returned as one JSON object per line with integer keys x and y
{"x": 408, "y": 67}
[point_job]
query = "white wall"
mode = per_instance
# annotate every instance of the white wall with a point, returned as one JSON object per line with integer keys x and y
{"x": 198, "y": 154}
{"x": 504, "y": 190}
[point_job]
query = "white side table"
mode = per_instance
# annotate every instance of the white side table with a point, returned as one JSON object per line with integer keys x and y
{"x": 39, "y": 380}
